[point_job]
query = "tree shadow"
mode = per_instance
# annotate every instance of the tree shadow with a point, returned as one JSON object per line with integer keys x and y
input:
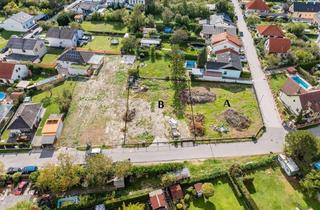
{"x": 234, "y": 88}
{"x": 204, "y": 204}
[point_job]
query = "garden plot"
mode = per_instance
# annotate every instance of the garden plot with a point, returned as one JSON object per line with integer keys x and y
{"x": 97, "y": 106}
{"x": 215, "y": 116}
{"x": 149, "y": 122}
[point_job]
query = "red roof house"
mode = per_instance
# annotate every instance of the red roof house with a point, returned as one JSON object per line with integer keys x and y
{"x": 257, "y": 5}
{"x": 158, "y": 200}
{"x": 176, "y": 192}
{"x": 6, "y": 70}
{"x": 225, "y": 37}
{"x": 278, "y": 45}
{"x": 270, "y": 31}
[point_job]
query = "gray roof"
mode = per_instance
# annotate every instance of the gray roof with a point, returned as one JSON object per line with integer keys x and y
{"x": 220, "y": 18}
{"x": 21, "y": 43}
{"x": 226, "y": 60}
{"x": 21, "y": 17}
{"x": 86, "y": 5}
{"x": 211, "y": 29}
{"x": 25, "y": 116}
{"x": 61, "y": 33}
{"x": 76, "y": 56}
{"x": 48, "y": 140}
{"x": 21, "y": 57}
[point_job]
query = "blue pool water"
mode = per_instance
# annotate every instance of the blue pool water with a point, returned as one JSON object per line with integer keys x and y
{"x": 190, "y": 64}
{"x": 2, "y": 96}
{"x": 301, "y": 82}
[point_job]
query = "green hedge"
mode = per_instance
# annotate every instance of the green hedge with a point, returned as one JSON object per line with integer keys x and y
{"x": 39, "y": 70}
{"x": 155, "y": 170}
{"x": 307, "y": 76}
{"x": 259, "y": 164}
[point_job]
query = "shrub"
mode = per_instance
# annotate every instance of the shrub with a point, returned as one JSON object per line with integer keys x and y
{"x": 179, "y": 206}
{"x": 155, "y": 170}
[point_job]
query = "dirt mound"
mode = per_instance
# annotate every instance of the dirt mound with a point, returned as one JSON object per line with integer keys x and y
{"x": 199, "y": 95}
{"x": 129, "y": 115}
{"x": 236, "y": 119}
{"x": 197, "y": 128}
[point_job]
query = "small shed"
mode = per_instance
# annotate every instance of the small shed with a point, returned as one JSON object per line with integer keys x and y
{"x": 198, "y": 189}
{"x": 176, "y": 192}
{"x": 158, "y": 200}
{"x": 291, "y": 70}
{"x": 118, "y": 182}
{"x": 288, "y": 165}
{"x": 149, "y": 42}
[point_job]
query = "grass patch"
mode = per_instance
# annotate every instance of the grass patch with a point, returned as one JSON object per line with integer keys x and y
{"x": 5, "y": 36}
{"x": 223, "y": 199}
{"x": 273, "y": 191}
{"x": 103, "y": 43}
{"x": 95, "y": 26}
{"x": 158, "y": 69}
{"x": 51, "y": 56}
{"x": 5, "y": 135}
{"x": 241, "y": 98}
{"x": 53, "y": 107}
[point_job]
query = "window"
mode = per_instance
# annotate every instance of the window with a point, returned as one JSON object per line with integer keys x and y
{"x": 225, "y": 73}
{"x": 294, "y": 100}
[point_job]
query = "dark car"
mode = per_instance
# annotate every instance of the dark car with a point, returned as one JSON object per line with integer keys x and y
{"x": 13, "y": 170}
{"x": 29, "y": 169}
{"x": 21, "y": 187}
{"x": 241, "y": 34}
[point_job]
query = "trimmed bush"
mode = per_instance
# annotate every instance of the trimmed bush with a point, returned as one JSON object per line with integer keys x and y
{"x": 155, "y": 170}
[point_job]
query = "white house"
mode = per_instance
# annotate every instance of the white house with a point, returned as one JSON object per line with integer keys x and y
{"x": 63, "y": 37}
{"x": 217, "y": 24}
{"x": 297, "y": 95}
{"x": 20, "y": 22}
{"x": 73, "y": 62}
{"x": 22, "y": 49}
{"x": 149, "y": 42}
{"x": 225, "y": 41}
{"x": 10, "y": 72}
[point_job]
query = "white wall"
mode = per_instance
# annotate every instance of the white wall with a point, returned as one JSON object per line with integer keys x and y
{"x": 224, "y": 45}
{"x": 65, "y": 43}
{"x": 20, "y": 72}
{"x": 291, "y": 102}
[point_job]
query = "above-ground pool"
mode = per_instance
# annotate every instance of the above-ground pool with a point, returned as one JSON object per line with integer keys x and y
{"x": 2, "y": 96}
{"x": 300, "y": 81}
{"x": 189, "y": 64}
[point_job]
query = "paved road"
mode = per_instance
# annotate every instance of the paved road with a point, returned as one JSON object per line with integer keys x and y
{"x": 271, "y": 141}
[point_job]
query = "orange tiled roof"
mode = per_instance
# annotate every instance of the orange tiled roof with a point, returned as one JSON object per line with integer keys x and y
{"x": 257, "y": 5}
{"x": 51, "y": 126}
{"x": 270, "y": 30}
{"x": 225, "y": 36}
{"x": 279, "y": 45}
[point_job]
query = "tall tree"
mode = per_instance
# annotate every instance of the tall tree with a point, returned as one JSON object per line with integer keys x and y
{"x": 136, "y": 206}
{"x": 129, "y": 45}
{"x": 99, "y": 170}
{"x": 202, "y": 58}
{"x": 64, "y": 19}
{"x": 152, "y": 53}
{"x": 311, "y": 183}
{"x": 167, "y": 16}
{"x": 122, "y": 168}
{"x": 179, "y": 37}
{"x": 136, "y": 20}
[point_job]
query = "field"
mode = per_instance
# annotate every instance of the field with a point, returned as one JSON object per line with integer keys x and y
{"x": 98, "y": 104}
{"x": 223, "y": 199}
{"x": 241, "y": 99}
{"x": 158, "y": 69}
{"x": 272, "y": 190}
{"x": 53, "y": 107}
{"x": 92, "y": 26}
{"x": 103, "y": 43}
{"x": 51, "y": 56}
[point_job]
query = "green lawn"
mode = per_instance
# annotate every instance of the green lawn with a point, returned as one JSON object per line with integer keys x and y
{"x": 5, "y": 36}
{"x": 241, "y": 98}
{"x": 158, "y": 69}
{"x": 53, "y": 107}
{"x": 103, "y": 27}
{"x": 273, "y": 191}
{"x": 103, "y": 43}
{"x": 51, "y": 56}
{"x": 223, "y": 199}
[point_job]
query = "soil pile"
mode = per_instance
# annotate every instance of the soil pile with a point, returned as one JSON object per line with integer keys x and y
{"x": 129, "y": 115}
{"x": 198, "y": 95}
{"x": 198, "y": 127}
{"x": 236, "y": 119}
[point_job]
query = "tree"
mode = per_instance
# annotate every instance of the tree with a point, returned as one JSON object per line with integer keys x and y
{"x": 301, "y": 145}
{"x": 223, "y": 6}
{"x": 272, "y": 60}
{"x": 152, "y": 53}
{"x": 208, "y": 190}
{"x": 11, "y": 8}
{"x": 137, "y": 19}
{"x": 311, "y": 183}
{"x": 64, "y": 101}
{"x": 296, "y": 28}
{"x": 122, "y": 168}
{"x": 129, "y": 45}
{"x": 64, "y": 19}
{"x": 301, "y": 55}
{"x": 252, "y": 20}
{"x": 168, "y": 179}
{"x": 150, "y": 22}
{"x": 99, "y": 170}
{"x": 167, "y": 16}
{"x": 75, "y": 25}
{"x": 16, "y": 177}
{"x": 179, "y": 37}
{"x": 23, "y": 205}
{"x": 202, "y": 58}
{"x": 136, "y": 206}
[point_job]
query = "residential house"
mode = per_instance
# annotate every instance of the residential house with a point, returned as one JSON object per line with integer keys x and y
{"x": 269, "y": 31}
{"x": 176, "y": 192}
{"x": 256, "y": 6}
{"x": 22, "y": 49}
{"x": 158, "y": 200}
{"x": 74, "y": 62}
{"x": 26, "y": 118}
{"x": 145, "y": 42}
{"x": 279, "y": 46}
{"x": 85, "y": 8}
{"x": 10, "y": 72}
{"x": 226, "y": 65}
{"x": 217, "y": 24}
{"x": 225, "y": 41}
{"x": 305, "y": 10}
{"x": 6, "y": 111}
{"x": 134, "y": 2}
{"x": 51, "y": 130}
{"x": 64, "y": 37}
{"x": 297, "y": 95}
{"x": 20, "y": 22}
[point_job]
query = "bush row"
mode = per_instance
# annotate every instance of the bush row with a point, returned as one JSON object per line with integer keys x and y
{"x": 155, "y": 170}
{"x": 259, "y": 164}
{"x": 306, "y": 75}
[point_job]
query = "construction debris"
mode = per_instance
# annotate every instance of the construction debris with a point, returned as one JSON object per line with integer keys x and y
{"x": 198, "y": 95}
{"x": 196, "y": 125}
{"x": 236, "y": 119}
{"x": 129, "y": 115}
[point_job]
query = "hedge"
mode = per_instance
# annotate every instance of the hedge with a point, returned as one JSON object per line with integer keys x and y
{"x": 155, "y": 170}
{"x": 259, "y": 164}
{"x": 307, "y": 76}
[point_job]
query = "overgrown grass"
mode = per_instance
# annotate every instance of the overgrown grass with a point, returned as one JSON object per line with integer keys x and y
{"x": 103, "y": 43}
{"x": 103, "y": 27}
{"x": 158, "y": 69}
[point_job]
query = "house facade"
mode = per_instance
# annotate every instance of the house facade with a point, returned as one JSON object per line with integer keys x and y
{"x": 20, "y": 22}
{"x": 10, "y": 72}
{"x": 63, "y": 37}
{"x": 23, "y": 49}
{"x": 225, "y": 41}
{"x": 305, "y": 10}
{"x": 278, "y": 46}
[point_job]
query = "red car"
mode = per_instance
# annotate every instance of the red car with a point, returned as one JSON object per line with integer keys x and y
{"x": 21, "y": 187}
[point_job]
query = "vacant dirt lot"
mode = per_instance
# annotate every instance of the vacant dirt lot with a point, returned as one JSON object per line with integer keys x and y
{"x": 97, "y": 106}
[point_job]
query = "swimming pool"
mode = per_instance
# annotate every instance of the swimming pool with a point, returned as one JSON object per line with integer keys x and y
{"x": 189, "y": 64}
{"x": 2, "y": 96}
{"x": 304, "y": 84}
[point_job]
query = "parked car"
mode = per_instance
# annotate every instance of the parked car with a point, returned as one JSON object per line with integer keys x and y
{"x": 93, "y": 152}
{"x": 13, "y": 170}
{"x": 29, "y": 169}
{"x": 241, "y": 34}
{"x": 21, "y": 187}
